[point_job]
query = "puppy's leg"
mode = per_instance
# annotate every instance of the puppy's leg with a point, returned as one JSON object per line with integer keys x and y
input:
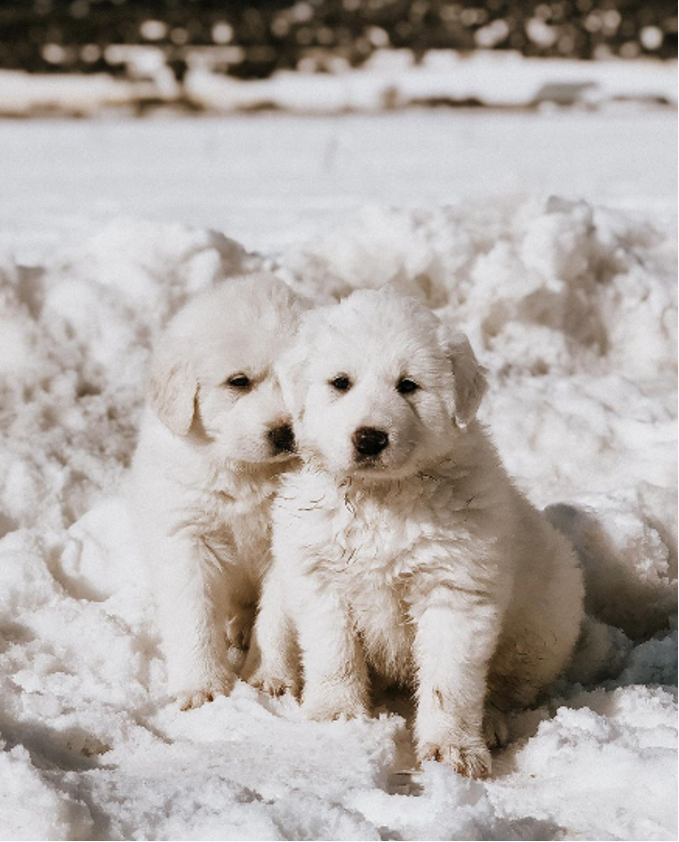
{"x": 454, "y": 641}
{"x": 335, "y": 672}
{"x": 191, "y": 589}
{"x": 272, "y": 664}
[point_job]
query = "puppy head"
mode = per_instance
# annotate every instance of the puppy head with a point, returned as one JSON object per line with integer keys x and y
{"x": 378, "y": 387}
{"x": 212, "y": 370}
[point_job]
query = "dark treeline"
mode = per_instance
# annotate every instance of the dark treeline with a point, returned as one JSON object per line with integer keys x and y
{"x": 56, "y": 36}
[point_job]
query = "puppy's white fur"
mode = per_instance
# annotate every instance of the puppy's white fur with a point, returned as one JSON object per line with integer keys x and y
{"x": 205, "y": 473}
{"x": 422, "y": 563}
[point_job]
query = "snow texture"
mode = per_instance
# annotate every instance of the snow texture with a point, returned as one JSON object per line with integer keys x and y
{"x": 571, "y": 305}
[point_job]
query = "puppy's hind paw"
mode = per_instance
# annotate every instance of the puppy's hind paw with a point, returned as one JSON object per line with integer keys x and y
{"x": 239, "y": 629}
{"x": 495, "y": 728}
{"x": 472, "y": 761}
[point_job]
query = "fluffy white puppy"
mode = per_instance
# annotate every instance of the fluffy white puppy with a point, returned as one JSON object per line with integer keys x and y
{"x": 213, "y": 441}
{"x": 401, "y": 546}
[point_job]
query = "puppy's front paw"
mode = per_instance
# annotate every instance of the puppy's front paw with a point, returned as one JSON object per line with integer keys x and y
{"x": 195, "y": 697}
{"x": 329, "y": 705}
{"x": 472, "y": 761}
{"x": 274, "y": 685}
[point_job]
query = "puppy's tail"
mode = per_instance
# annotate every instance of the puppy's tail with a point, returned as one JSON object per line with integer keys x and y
{"x": 601, "y": 653}
{"x": 628, "y": 554}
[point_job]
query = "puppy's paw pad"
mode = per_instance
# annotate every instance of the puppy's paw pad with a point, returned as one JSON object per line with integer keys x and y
{"x": 190, "y": 699}
{"x": 326, "y": 710}
{"x": 195, "y": 699}
{"x": 470, "y": 761}
{"x": 273, "y": 685}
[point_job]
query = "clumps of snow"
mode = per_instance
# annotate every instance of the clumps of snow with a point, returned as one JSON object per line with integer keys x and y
{"x": 545, "y": 285}
{"x": 606, "y": 755}
{"x": 448, "y": 807}
{"x": 52, "y": 814}
{"x": 569, "y": 306}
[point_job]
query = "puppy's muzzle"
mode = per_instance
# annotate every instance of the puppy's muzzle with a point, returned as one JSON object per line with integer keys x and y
{"x": 369, "y": 441}
{"x": 282, "y": 439}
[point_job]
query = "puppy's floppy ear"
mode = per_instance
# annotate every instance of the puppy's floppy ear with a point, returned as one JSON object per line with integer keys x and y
{"x": 290, "y": 373}
{"x": 172, "y": 388}
{"x": 469, "y": 378}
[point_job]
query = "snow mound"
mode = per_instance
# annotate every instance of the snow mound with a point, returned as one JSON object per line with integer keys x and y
{"x": 571, "y": 307}
{"x": 544, "y": 286}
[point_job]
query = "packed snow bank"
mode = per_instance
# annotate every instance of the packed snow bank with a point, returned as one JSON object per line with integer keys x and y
{"x": 391, "y": 79}
{"x": 23, "y": 94}
{"x": 572, "y": 309}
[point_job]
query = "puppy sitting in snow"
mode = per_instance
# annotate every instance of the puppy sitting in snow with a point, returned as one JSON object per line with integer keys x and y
{"x": 401, "y": 546}
{"x": 213, "y": 442}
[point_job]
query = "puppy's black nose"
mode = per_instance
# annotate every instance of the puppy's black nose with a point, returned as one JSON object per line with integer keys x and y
{"x": 369, "y": 442}
{"x": 282, "y": 438}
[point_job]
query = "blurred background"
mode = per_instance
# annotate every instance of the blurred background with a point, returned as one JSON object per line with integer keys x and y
{"x": 274, "y": 120}
{"x": 186, "y": 54}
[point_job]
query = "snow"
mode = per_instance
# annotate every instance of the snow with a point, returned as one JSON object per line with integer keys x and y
{"x": 388, "y": 80}
{"x": 561, "y": 267}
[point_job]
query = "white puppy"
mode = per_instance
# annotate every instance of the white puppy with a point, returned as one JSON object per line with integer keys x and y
{"x": 213, "y": 442}
{"x": 401, "y": 546}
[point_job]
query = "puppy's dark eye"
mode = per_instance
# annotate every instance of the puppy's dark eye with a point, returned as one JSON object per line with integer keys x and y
{"x": 406, "y": 386}
{"x": 240, "y": 382}
{"x": 341, "y": 383}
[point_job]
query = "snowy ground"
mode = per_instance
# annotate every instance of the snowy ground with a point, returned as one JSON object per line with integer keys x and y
{"x": 569, "y": 301}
